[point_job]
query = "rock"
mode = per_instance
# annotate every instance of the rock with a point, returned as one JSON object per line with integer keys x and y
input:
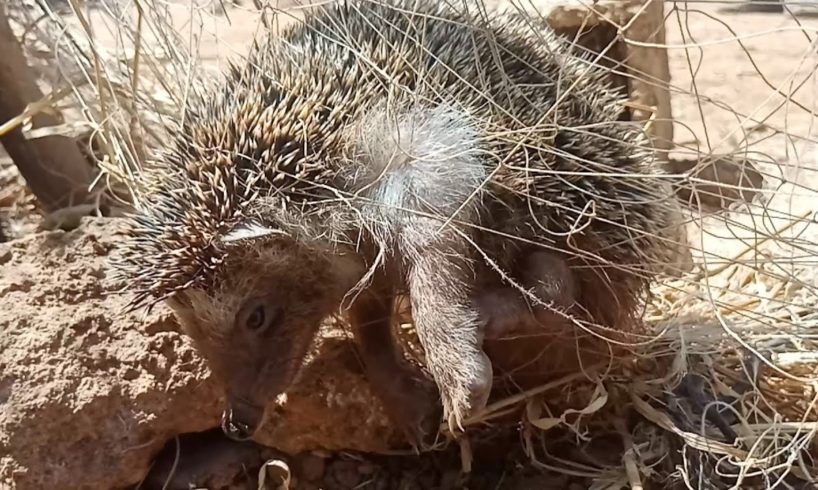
{"x": 330, "y": 406}
{"x": 89, "y": 394}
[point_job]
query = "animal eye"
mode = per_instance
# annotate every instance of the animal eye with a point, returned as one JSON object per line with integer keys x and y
{"x": 260, "y": 316}
{"x": 256, "y": 319}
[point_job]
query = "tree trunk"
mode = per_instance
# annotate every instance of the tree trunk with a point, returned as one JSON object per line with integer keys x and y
{"x": 53, "y": 166}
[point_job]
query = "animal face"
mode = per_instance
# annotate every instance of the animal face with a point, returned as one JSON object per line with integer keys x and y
{"x": 255, "y": 325}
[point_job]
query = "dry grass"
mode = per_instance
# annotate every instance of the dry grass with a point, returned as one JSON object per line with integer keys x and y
{"x": 722, "y": 389}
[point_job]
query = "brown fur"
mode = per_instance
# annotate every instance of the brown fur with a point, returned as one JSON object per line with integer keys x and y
{"x": 308, "y": 288}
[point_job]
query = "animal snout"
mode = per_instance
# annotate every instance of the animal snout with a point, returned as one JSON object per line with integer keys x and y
{"x": 241, "y": 419}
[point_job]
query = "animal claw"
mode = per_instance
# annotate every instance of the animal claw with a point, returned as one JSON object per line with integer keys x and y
{"x": 465, "y": 396}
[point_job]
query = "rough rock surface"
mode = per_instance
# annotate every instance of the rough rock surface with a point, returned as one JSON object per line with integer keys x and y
{"x": 89, "y": 395}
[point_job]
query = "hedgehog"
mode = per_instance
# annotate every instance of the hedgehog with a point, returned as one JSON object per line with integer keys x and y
{"x": 475, "y": 162}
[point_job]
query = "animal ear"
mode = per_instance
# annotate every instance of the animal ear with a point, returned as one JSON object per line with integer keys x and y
{"x": 249, "y": 231}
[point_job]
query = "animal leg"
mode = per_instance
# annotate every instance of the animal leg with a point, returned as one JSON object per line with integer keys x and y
{"x": 547, "y": 277}
{"x": 502, "y": 309}
{"x": 550, "y": 279}
{"x": 408, "y": 397}
{"x": 440, "y": 285}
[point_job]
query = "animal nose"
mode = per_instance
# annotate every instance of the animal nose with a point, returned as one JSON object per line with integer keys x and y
{"x": 241, "y": 419}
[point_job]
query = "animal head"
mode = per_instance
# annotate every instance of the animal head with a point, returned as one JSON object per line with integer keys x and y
{"x": 252, "y": 150}
{"x": 255, "y": 320}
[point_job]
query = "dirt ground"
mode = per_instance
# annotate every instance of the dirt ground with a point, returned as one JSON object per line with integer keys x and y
{"x": 755, "y": 98}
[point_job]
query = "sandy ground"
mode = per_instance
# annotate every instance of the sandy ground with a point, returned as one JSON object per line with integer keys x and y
{"x": 759, "y": 66}
{"x": 746, "y": 86}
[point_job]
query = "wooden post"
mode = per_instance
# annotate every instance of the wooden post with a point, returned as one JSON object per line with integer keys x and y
{"x": 53, "y": 166}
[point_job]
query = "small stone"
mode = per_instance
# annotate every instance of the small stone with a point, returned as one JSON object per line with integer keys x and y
{"x": 275, "y": 475}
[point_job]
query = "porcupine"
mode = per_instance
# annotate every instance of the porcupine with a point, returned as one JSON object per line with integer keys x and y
{"x": 475, "y": 162}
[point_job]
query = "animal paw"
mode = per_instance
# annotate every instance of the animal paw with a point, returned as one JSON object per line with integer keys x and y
{"x": 465, "y": 387}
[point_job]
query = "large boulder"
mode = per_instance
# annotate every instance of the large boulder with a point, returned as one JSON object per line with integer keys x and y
{"x": 89, "y": 394}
